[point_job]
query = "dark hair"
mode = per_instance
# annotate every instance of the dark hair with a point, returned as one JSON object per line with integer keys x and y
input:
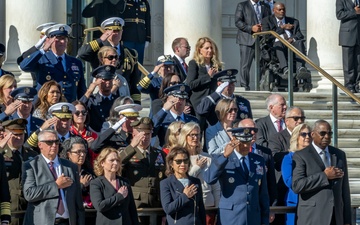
{"x": 166, "y": 83}
{"x": 68, "y": 144}
{"x": 170, "y": 158}
{"x": 77, "y": 102}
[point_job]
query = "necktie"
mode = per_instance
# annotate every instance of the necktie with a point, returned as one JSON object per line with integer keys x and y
{"x": 185, "y": 66}
{"x": 60, "y": 208}
{"x": 62, "y": 139}
{"x": 324, "y": 158}
{"x": 60, "y": 60}
{"x": 244, "y": 166}
{"x": 285, "y": 35}
{"x": 258, "y": 13}
{"x": 278, "y": 122}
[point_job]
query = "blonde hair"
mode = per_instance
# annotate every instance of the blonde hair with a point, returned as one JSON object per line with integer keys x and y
{"x": 104, "y": 51}
{"x": 98, "y": 169}
{"x": 185, "y": 131}
{"x": 199, "y": 59}
{"x": 222, "y": 107}
{"x": 295, "y": 135}
{"x": 6, "y": 81}
{"x": 172, "y": 134}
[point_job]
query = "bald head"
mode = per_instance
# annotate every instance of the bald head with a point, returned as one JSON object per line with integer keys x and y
{"x": 279, "y": 10}
{"x": 246, "y": 123}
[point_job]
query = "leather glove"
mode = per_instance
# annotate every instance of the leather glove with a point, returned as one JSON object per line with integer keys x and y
{"x": 40, "y": 42}
{"x": 118, "y": 123}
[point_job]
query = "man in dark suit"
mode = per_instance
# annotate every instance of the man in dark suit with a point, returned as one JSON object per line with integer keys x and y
{"x": 127, "y": 61}
{"x": 51, "y": 185}
{"x": 348, "y": 12}
{"x": 289, "y": 29}
{"x": 248, "y": 17}
{"x": 244, "y": 197}
{"x": 181, "y": 49}
{"x": 52, "y": 63}
{"x": 321, "y": 178}
{"x": 272, "y": 123}
{"x": 173, "y": 110}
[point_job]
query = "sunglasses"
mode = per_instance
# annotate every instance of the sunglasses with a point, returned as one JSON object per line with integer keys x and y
{"x": 51, "y": 142}
{"x": 83, "y": 112}
{"x": 111, "y": 57}
{"x": 179, "y": 161}
{"x": 79, "y": 152}
{"x": 296, "y": 118}
{"x": 304, "y": 134}
{"x": 174, "y": 83}
{"x": 194, "y": 135}
{"x": 323, "y": 133}
{"x": 231, "y": 110}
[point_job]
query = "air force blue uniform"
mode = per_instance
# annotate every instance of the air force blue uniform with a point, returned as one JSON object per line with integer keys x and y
{"x": 244, "y": 200}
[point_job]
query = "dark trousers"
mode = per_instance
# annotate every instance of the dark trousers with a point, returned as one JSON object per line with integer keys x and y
{"x": 351, "y": 65}
{"x": 282, "y": 52}
{"x": 247, "y": 54}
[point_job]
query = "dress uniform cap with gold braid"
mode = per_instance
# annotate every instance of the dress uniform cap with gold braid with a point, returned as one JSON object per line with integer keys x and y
{"x": 58, "y": 30}
{"x": 62, "y": 110}
{"x": 129, "y": 110}
{"x": 226, "y": 75}
{"x": 179, "y": 90}
{"x": 43, "y": 27}
{"x": 106, "y": 72}
{"x": 16, "y": 126}
{"x": 244, "y": 134}
{"x": 144, "y": 124}
{"x": 166, "y": 59}
{"x": 25, "y": 94}
{"x": 113, "y": 23}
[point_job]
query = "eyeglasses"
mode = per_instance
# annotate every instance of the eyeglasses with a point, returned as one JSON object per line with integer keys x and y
{"x": 174, "y": 83}
{"x": 111, "y": 57}
{"x": 296, "y": 118}
{"x": 194, "y": 135}
{"x": 231, "y": 110}
{"x": 51, "y": 142}
{"x": 323, "y": 133}
{"x": 187, "y": 47}
{"x": 78, "y": 112}
{"x": 304, "y": 134}
{"x": 179, "y": 161}
{"x": 79, "y": 152}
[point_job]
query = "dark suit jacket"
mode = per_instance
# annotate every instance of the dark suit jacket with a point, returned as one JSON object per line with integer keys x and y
{"x": 42, "y": 193}
{"x": 179, "y": 70}
{"x": 270, "y": 23}
{"x": 349, "y": 25}
{"x": 3, "y": 72}
{"x": 178, "y": 207}
{"x": 111, "y": 206}
{"x": 200, "y": 82}
{"x": 265, "y": 130}
{"x": 245, "y": 18}
{"x": 279, "y": 143}
{"x": 317, "y": 194}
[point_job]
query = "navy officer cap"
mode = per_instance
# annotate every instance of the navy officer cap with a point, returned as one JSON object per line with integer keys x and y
{"x": 179, "y": 90}
{"x": 24, "y": 94}
{"x": 226, "y": 75}
{"x": 106, "y": 72}
{"x": 243, "y": 134}
{"x": 166, "y": 59}
{"x": 58, "y": 30}
{"x": 113, "y": 23}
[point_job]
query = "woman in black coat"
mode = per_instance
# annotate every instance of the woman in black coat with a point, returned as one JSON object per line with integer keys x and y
{"x": 110, "y": 193}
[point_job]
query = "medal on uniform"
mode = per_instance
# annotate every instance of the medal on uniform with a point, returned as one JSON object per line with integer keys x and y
{"x": 259, "y": 182}
{"x": 242, "y": 115}
{"x": 259, "y": 170}
{"x": 48, "y": 77}
{"x": 160, "y": 174}
{"x": 159, "y": 160}
{"x": 136, "y": 172}
{"x": 231, "y": 180}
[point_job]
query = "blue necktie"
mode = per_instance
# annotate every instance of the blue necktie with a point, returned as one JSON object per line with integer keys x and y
{"x": 258, "y": 14}
{"x": 244, "y": 166}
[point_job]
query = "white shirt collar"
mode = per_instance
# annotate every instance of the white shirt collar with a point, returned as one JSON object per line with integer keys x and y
{"x": 56, "y": 160}
{"x": 180, "y": 59}
{"x": 175, "y": 115}
{"x": 319, "y": 150}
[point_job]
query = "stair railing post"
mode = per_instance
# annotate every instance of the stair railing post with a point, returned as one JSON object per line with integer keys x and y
{"x": 257, "y": 63}
{"x": 290, "y": 77}
{"x": 335, "y": 115}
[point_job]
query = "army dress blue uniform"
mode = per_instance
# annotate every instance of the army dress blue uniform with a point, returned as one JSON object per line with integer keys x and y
{"x": 47, "y": 67}
{"x": 243, "y": 201}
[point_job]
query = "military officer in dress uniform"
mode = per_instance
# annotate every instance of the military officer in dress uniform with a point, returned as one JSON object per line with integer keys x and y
{"x": 26, "y": 96}
{"x": 120, "y": 134}
{"x": 11, "y": 147}
{"x": 5, "y": 212}
{"x": 127, "y": 61}
{"x": 54, "y": 64}
{"x": 242, "y": 175}
{"x": 226, "y": 81}
{"x": 173, "y": 110}
{"x": 144, "y": 166}
{"x": 137, "y": 32}
{"x": 99, "y": 104}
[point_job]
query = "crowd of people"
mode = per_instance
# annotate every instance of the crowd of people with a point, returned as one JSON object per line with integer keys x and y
{"x": 66, "y": 147}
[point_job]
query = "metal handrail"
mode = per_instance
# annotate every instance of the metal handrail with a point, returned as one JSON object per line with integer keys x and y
{"x": 291, "y": 49}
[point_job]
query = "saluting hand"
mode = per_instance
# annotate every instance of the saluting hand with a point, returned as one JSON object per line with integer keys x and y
{"x": 48, "y": 123}
{"x": 229, "y": 148}
{"x": 170, "y": 102}
{"x": 48, "y": 43}
{"x": 137, "y": 139}
{"x": 10, "y": 109}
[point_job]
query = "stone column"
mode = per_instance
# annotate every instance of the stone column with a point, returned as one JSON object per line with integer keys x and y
{"x": 22, "y": 17}
{"x": 192, "y": 20}
{"x": 322, "y": 41}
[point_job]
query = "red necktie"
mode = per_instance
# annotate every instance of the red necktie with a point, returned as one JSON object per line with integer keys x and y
{"x": 278, "y": 122}
{"x": 60, "y": 208}
{"x": 185, "y": 66}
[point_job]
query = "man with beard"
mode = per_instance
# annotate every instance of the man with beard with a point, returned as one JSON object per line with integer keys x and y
{"x": 99, "y": 104}
{"x": 173, "y": 110}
